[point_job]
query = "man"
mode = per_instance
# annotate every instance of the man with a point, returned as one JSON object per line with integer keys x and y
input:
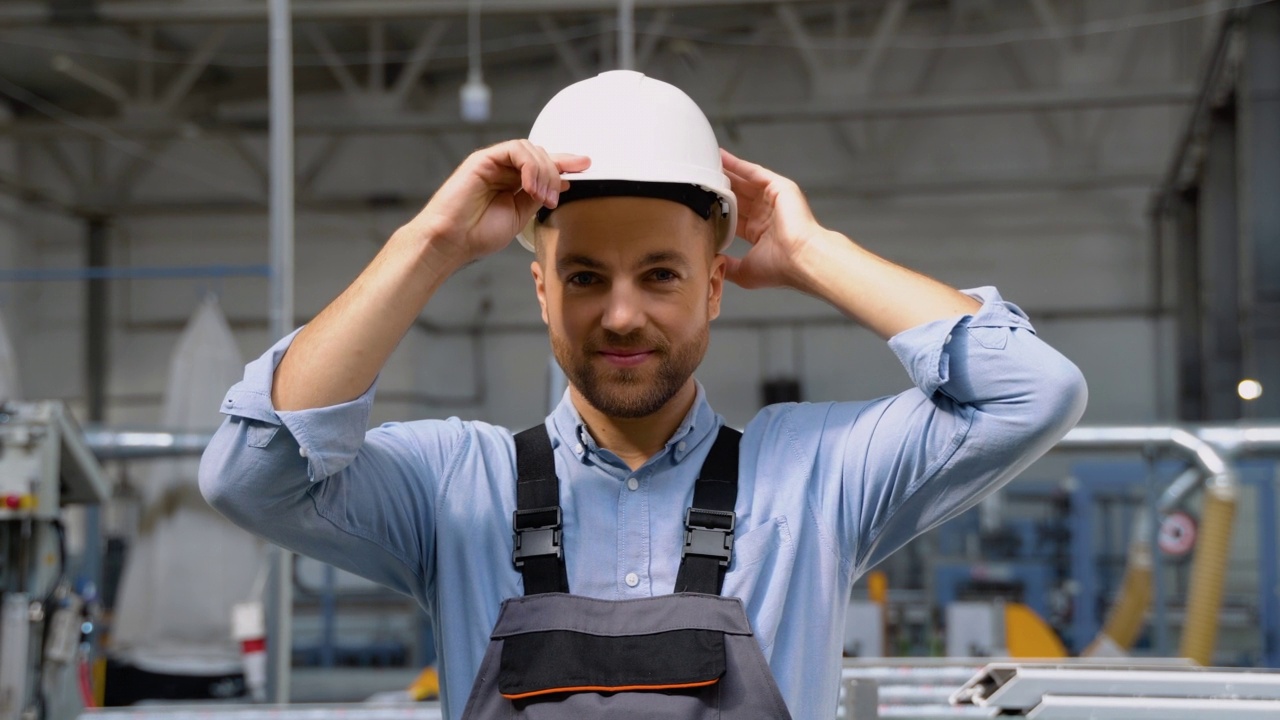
{"x": 627, "y": 233}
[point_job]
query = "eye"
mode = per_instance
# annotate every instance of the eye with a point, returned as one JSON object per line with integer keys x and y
{"x": 661, "y": 275}
{"x": 581, "y": 279}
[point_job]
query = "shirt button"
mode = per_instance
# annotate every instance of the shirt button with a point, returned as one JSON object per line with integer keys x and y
{"x": 302, "y": 451}
{"x": 578, "y": 448}
{"x": 632, "y": 483}
{"x": 230, "y": 401}
{"x": 680, "y": 446}
{"x": 632, "y": 579}
{"x": 947, "y": 340}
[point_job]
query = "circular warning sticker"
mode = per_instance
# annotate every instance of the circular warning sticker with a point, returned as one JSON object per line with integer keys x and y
{"x": 1177, "y": 534}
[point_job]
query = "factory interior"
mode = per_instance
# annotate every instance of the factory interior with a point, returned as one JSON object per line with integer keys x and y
{"x": 184, "y": 182}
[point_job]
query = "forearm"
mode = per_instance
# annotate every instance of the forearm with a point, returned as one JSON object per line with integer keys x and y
{"x": 880, "y": 295}
{"x": 340, "y": 353}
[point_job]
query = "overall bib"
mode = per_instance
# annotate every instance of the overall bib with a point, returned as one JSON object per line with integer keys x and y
{"x": 686, "y": 656}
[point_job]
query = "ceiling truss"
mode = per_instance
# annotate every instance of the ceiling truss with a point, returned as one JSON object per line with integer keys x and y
{"x": 841, "y": 50}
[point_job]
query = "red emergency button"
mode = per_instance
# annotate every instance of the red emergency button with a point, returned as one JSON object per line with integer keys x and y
{"x": 13, "y": 502}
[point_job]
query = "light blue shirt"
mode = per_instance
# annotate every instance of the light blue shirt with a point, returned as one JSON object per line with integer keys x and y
{"x": 826, "y": 491}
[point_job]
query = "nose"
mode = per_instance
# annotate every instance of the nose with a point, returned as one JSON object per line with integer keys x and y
{"x": 624, "y": 309}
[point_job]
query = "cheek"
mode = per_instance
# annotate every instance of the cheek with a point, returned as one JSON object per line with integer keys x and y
{"x": 679, "y": 314}
{"x": 571, "y": 317}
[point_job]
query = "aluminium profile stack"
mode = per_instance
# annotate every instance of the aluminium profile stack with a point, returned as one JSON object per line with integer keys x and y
{"x": 1067, "y": 692}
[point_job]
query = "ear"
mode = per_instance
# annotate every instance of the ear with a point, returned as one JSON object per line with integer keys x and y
{"x": 717, "y": 287}
{"x": 540, "y": 286}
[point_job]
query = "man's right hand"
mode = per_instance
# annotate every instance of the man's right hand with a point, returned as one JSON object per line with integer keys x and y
{"x": 476, "y": 212}
{"x": 492, "y": 195}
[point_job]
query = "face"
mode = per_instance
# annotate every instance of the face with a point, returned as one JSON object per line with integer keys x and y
{"x": 628, "y": 288}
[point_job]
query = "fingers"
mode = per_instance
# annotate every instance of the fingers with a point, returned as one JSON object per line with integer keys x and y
{"x": 741, "y": 187}
{"x": 546, "y": 176}
{"x": 538, "y": 172}
{"x": 571, "y": 163}
{"x": 750, "y": 172}
{"x": 526, "y": 205}
{"x": 743, "y": 220}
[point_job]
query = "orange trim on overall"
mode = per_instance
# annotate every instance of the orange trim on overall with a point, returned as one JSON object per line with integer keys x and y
{"x": 602, "y": 688}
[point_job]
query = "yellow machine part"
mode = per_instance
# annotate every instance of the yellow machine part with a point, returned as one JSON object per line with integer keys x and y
{"x": 1028, "y": 636}
{"x": 99, "y": 681}
{"x": 1208, "y": 574}
{"x": 1124, "y": 622}
{"x": 878, "y": 587}
{"x": 426, "y": 686}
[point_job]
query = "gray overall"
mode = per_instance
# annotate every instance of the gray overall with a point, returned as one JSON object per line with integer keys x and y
{"x": 686, "y": 656}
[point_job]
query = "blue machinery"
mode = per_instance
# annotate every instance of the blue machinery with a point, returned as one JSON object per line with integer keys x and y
{"x": 1132, "y": 487}
{"x": 1111, "y": 509}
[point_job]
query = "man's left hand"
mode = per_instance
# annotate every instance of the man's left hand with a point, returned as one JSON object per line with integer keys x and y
{"x": 775, "y": 218}
{"x": 790, "y": 249}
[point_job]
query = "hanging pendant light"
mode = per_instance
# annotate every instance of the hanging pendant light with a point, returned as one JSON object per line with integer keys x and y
{"x": 475, "y": 95}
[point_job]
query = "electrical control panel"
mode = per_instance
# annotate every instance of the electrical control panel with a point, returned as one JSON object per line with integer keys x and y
{"x": 44, "y": 462}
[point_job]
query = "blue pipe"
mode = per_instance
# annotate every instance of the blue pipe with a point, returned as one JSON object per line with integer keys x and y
{"x": 154, "y": 272}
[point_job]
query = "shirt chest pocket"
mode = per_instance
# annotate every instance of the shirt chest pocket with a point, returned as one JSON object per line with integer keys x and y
{"x": 763, "y": 557}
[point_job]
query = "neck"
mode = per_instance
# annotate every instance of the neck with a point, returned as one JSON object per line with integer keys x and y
{"x": 635, "y": 440}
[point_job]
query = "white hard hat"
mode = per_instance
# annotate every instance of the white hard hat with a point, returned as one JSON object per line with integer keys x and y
{"x": 638, "y": 129}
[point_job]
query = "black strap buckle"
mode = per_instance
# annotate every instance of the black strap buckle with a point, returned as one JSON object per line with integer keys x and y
{"x": 537, "y": 534}
{"x": 709, "y": 533}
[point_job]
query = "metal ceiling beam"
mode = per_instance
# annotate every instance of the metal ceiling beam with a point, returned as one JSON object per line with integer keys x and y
{"x": 886, "y": 28}
{"x": 568, "y": 55}
{"x": 17, "y": 13}
{"x": 878, "y": 108}
{"x": 650, "y": 37}
{"x": 866, "y": 187}
{"x": 418, "y": 60}
{"x": 791, "y": 20}
{"x": 195, "y": 65}
{"x": 875, "y": 108}
{"x": 91, "y": 79}
{"x": 341, "y": 73}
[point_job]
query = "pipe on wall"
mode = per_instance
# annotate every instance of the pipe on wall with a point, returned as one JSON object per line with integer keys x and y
{"x": 1208, "y": 566}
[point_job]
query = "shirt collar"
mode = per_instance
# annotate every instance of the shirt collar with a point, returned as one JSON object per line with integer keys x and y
{"x": 699, "y": 423}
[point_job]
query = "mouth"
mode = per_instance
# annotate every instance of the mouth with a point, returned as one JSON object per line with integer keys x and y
{"x": 626, "y": 358}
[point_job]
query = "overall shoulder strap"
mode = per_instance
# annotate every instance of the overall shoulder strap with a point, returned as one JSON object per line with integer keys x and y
{"x": 709, "y": 523}
{"x": 538, "y": 548}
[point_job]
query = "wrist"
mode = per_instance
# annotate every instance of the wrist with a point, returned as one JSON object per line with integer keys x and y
{"x": 817, "y": 255}
{"x": 434, "y": 252}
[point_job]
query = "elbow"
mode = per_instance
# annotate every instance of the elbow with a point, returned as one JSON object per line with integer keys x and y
{"x": 1063, "y": 396}
{"x": 212, "y": 479}
{"x": 221, "y": 473}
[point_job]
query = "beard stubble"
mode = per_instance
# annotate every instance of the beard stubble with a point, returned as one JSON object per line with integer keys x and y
{"x": 630, "y": 392}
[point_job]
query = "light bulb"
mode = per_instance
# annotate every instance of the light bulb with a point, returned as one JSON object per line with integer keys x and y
{"x": 475, "y": 100}
{"x": 1249, "y": 389}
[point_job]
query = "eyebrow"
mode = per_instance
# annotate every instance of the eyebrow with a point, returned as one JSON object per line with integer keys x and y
{"x": 572, "y": 261}
{"x": 661, "y": 257}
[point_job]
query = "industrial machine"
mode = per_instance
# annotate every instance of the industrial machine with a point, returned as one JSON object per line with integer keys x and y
{"x": 44, "y": 465}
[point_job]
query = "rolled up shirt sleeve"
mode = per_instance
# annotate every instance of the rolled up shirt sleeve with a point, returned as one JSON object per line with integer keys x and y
{"x": 990, "y": 397}
{"x": 319, "y": 483}
{"x": 329, "y": 437}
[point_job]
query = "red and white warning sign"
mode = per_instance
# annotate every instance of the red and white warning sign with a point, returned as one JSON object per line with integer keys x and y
{"x": 1177, "y": 534}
